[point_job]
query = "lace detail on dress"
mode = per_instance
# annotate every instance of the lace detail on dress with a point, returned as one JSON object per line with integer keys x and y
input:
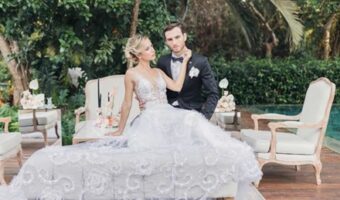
{"x": 149, "y": 93}
{"x": 167, "y": 153}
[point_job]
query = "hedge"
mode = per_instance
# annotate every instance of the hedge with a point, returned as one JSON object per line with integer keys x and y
{"x": 276, "y": 81}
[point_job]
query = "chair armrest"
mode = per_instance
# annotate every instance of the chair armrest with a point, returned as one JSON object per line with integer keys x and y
{"x": 5, "y": 120}
{"x": 288, "y": 124}
{"x": 272, "y": 116}
{"x": 78, "y": 112}
{"x": 294, "y": 124}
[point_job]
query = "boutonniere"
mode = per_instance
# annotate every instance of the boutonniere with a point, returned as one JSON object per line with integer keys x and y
{"x": 194, "y": 72}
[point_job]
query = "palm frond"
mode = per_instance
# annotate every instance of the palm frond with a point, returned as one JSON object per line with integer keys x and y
{"x": 242, "y": 18}
{"x": 288, "y": 9}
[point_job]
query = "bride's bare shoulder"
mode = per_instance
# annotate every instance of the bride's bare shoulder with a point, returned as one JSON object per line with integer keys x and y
{"x": 131, "y": 74}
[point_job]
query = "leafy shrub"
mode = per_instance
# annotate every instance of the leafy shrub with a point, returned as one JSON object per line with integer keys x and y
{"x": 8, "y": 111}
{"x": 276, "y": 81}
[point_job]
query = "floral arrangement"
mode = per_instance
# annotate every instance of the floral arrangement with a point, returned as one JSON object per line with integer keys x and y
{"x": 106, "y": 118}
{"x": 32, "y": 101}
{"x": 75, "y": 73}
{"x": 227, "y": 102}
{"x": 35, "y": 101}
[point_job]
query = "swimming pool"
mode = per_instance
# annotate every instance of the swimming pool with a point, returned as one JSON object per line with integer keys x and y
{"x": 333, "y": 129}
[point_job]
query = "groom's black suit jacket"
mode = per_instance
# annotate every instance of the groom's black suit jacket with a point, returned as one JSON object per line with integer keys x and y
{"x": 198, "y": 93}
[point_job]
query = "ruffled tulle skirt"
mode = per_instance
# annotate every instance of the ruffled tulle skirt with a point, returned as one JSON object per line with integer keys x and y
{"x": 167, "y": 153}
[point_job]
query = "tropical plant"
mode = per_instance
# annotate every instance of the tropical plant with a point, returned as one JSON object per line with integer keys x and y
{"x": 322, "y": 22}
{"x": 12, "y": 112}
{"x": 263, "y": 24}
{"x": 44, "y": 38}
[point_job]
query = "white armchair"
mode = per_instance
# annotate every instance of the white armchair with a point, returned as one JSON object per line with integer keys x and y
{"x": 105, "y": 85}
{"x": 10, "y": 146}
{"x": 301, "y": 148}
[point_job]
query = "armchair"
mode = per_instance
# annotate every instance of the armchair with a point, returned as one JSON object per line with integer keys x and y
{"x": 96, "y": 92}
{"x": 301, "y": 148}
{"x": 10, "y": 146}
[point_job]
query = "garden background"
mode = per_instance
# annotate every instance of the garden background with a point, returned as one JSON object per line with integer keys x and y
{"x": 269, "y": 50}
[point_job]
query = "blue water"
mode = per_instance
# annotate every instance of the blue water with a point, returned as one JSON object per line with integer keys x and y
{"x": 333, "y": 129}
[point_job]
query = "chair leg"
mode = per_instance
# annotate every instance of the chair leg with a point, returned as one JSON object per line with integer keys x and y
{"x": 2, "y": 173}
{"x": 298, "y": 168}
{"x": 56, "y": 130}
{"x": 20, "y": 157}
{"x": 318, "y": 167}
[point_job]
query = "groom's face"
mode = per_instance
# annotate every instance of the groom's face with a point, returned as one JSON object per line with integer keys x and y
{"x": 175, "y": 39}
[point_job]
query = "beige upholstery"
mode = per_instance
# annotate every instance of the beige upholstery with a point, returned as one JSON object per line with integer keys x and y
{"x": 286, "y": 143}
{"x": 301, "y": 148}
{"x": 43, "y": 118}
{"x": 38, "y": 121}
{"x": 106, "y": 84}
{"x": 10, "y": 146}
{"x": 9, "y": 141}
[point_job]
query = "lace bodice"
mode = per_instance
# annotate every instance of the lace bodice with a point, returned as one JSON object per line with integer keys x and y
{"x": 149, "y": 93}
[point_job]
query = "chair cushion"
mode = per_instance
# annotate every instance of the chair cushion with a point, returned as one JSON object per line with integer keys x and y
{"x": 9, "y": 141}
{"x": 28, "y": 129}
{"x": 48, "y": 117}
{"x": 287, "y": 143}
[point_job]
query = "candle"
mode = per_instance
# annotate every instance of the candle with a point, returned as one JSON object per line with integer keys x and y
{"x": 99, "y": 95}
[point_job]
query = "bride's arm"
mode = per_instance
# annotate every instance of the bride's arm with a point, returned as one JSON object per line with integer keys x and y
{"x": 126, "y": 105}
{"x": 178, "y": 84}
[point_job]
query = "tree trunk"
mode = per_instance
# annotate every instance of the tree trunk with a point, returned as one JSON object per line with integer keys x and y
{"x": 336, "y": 41}
{"x": 134, "y": 23}
{"x": 272, "y": 41}
{"x": 327, "y": 37}
{"x": 336, "y": 46}
{"x": 17, "y": 71}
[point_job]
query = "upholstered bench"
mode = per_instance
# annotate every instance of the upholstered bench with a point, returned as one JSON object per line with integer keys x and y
{"x": 10, "y": 146}
{"x": 38, "y": 121}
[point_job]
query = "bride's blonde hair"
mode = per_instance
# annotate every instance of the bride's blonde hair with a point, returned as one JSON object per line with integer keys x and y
{"x": 133, "y": 47}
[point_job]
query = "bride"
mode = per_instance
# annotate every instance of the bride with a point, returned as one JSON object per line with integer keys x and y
{"x": 167, "y": 153}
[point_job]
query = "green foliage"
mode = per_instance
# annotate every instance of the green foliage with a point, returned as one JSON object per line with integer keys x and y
{"x": 314, "y": 14}
{"x": 277, "y": 81}
{"x": 67, "y": 124}
{"x": 56, "y": 35}
{"x": 8, "y": 111}
{"x": 5, "y": 83}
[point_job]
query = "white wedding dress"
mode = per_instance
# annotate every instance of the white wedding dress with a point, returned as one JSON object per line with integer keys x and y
{"x": 167, "y": 153}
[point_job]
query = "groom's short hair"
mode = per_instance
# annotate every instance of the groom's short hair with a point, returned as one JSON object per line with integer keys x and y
{"x": 173, "y": 25}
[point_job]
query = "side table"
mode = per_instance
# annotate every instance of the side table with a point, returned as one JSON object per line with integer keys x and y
{"x": 39, "y": 120}
{"x": 228, "y": 120}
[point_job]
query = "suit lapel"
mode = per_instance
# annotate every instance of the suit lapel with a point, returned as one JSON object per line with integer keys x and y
{"x": 187, "y": 77}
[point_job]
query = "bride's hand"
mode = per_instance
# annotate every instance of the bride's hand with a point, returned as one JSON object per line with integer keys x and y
{"x": 187, "y": 55}
{"x": 114, "y": 133}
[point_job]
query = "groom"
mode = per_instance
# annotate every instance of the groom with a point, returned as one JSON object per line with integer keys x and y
{"x": 199, "y": 78}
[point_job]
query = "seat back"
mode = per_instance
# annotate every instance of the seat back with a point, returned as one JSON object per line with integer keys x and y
{"x": 106, "y": 85}
{"x": 316, "y": 108}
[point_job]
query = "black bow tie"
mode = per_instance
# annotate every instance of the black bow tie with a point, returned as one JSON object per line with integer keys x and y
{"x": 179, "y": 59}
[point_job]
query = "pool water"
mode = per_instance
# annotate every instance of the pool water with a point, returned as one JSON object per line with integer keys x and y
{"x": 333, "y": 129}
